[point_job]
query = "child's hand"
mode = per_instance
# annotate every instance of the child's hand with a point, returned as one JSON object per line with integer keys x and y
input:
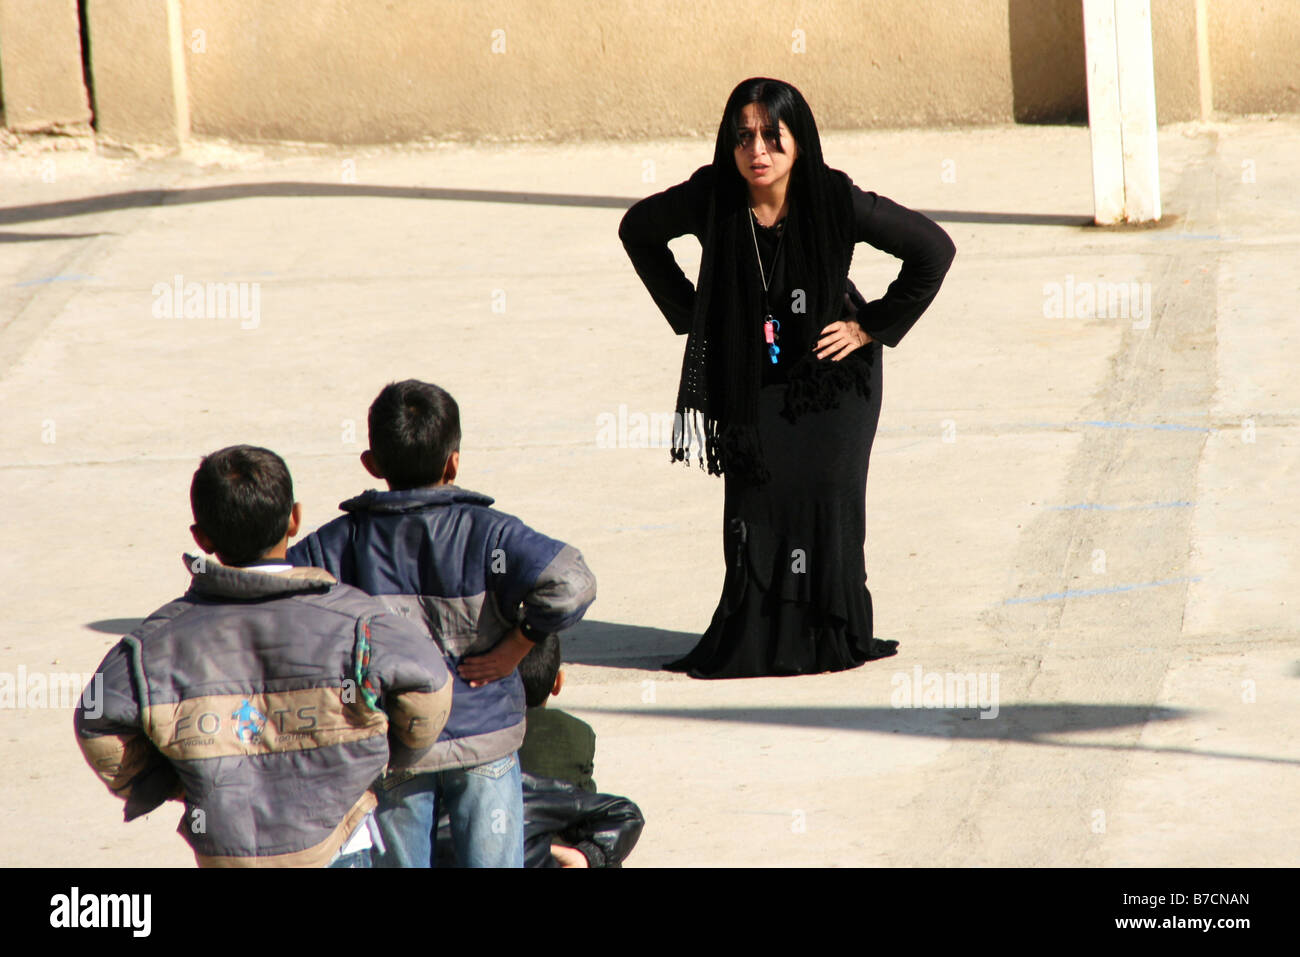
{"x": 568, "y": 856}
{"x": 497, "y": 663}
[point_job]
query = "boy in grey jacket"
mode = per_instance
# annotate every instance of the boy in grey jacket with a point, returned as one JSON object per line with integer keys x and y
{"x": 266, "y": 696}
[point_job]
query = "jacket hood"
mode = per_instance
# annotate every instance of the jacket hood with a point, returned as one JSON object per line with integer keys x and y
{"x": 211, "y": 578}
{"x": 413, "y": 499}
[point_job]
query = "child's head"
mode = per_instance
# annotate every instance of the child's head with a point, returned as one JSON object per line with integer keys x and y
{"x": 541, "y": 672}
{"x": 414, "y": 436}
{"x": 242, "y": 499}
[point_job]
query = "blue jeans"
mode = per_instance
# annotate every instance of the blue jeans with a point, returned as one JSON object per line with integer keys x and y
{"x": 486, "y": 807}
{"x": 355, "y": 859}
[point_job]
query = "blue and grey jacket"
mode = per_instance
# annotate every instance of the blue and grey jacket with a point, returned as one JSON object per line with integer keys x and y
{"x": 266, "y": 702}
{"x": 443, "y": 557}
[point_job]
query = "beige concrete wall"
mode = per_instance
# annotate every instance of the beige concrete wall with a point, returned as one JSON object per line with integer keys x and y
{"x": 364, "y": 71}
{"x": 1044, "y": 39}
{"x": 138, "y": 82}
{"x": 339, "y": 71}
{"x": 1173, "y": 51}
{"x": 41, "y": 82}
{"x": 1255, "y": 55}
{"x": 323, "y": 70}
{"x": 1049, "y": 82}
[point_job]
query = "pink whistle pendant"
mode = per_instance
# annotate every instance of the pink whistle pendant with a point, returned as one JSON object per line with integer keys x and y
{"x": 770, "y": 329}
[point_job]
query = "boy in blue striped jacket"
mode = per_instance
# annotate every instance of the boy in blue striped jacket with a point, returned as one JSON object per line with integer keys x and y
{"x": 486, "y": 587}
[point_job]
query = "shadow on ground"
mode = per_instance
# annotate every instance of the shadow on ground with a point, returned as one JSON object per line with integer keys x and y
{"x": 612, "y": 645}
{"x": 587, "y": 643}
{"x": 141, "y": 198}
{"x": 115, "y": 626}
{"x": 6, "y": 237}
{"x": 1021, "y": 723}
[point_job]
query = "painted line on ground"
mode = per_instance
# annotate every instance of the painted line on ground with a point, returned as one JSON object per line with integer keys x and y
{"x": 1089, "y": 592}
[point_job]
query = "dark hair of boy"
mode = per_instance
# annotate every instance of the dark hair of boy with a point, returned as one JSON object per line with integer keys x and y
{"x": 414, "y": 428}
{"x": 242, "y": 498}
{"x": 538, "y": 670}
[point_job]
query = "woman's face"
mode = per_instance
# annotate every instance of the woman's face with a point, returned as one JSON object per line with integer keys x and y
{"x": 764, "y": 155}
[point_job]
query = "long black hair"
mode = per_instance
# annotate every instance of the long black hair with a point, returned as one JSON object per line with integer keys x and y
{"x": 718, "y": 395}
{"x": 815, "y": 238}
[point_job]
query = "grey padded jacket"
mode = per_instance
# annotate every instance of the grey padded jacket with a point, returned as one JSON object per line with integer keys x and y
{"x": 266, "y": 703}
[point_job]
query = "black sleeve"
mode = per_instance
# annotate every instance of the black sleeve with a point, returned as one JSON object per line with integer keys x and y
{"x": 645, "y": 231}
{"x": 926, "y": 250}
{"x": 606, "y": 829}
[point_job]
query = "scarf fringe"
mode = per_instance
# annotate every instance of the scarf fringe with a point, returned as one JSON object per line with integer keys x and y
{"x": 815, "y": 385}
{"x": 690, "y": 433}
{"x": 736, "y": 449}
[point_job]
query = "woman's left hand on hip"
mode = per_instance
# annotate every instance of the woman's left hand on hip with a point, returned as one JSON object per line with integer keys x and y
{"x": 840, "y": 338}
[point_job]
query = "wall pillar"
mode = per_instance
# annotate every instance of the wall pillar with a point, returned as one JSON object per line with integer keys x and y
{"x": 40, "y": 65}
{"x": 137, "y": 67}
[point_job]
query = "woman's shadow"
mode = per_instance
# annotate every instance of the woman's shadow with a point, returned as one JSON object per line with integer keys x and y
{"x": 612, "y": 645}
{"x": 602, "y": 643}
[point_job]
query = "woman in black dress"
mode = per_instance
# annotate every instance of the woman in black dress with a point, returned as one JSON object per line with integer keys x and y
{"x": 781, "y": 380}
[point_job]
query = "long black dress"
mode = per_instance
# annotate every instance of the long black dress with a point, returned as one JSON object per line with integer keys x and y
{"x": 795, "y": 599}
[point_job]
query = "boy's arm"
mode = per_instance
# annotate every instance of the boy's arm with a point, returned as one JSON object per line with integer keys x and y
{"x": 605, "y": 829}
{"x": 410, "y": 679}
{"x": 108, "y": 726}
{"x": 561, "y": 593}
{"x": 549, "y": 578}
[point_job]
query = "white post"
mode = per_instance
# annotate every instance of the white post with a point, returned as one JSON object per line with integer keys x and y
{"x": 1103, "y": 111}
{"x": 1122, "y": 111}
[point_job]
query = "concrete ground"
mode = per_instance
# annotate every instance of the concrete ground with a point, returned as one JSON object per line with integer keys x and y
{"x": 1090, "y": 511}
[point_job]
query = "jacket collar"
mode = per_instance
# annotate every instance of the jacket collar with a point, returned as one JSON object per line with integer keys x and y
{"x": 215, "y": 580}
{"x": 413, "y": 499}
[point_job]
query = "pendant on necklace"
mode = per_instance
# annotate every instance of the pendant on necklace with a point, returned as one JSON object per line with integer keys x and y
{"x": 770, "y": 328}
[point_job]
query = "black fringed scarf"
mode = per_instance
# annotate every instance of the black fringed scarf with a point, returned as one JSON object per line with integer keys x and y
{"x": 717, "y": 398}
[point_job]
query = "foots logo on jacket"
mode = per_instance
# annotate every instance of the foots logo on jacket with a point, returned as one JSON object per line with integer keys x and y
{"x": 249, "y": 722}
